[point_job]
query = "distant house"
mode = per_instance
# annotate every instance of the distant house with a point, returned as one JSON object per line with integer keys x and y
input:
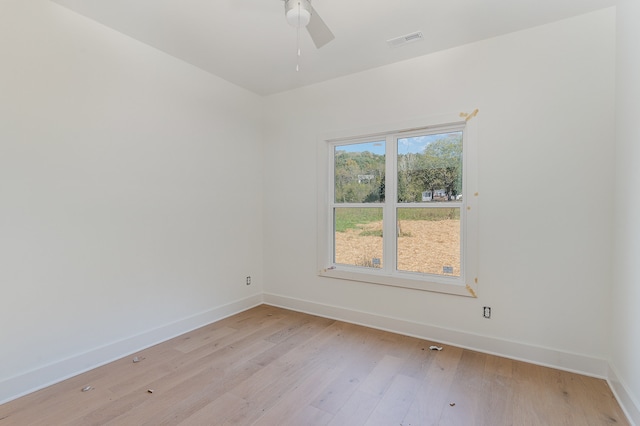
{"x": 438, "y": 194}
{"x": 365, "y": 178}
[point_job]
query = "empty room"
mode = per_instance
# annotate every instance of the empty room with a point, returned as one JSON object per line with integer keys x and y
{"x": 319, "y": 213}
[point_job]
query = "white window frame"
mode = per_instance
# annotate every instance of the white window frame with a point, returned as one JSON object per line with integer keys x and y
{"x": 464, "y": 285}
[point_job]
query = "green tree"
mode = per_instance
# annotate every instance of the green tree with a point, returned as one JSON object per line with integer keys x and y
{"x": 444, "y": 160}
{"x": 359, "y": 177}
{"x": 438, "y": 167}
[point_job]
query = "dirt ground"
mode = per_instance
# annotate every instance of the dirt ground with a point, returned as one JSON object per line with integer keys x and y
{"x": 424, "y": 246}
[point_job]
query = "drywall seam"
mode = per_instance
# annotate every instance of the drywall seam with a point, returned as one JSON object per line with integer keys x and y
{"x": 469, "y": 116}
{"x": 31, "y": 381}
{"x": 471, "y": 290}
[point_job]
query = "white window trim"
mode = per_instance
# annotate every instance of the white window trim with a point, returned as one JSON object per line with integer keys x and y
{"x": 467, "y": 285}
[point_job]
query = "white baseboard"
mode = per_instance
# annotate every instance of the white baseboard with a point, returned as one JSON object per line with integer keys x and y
{"x": 22, "y": 384}
{"x": 566, "y": 361}
{"x": 629, "y": 404}
{"x": 31, "y": 381}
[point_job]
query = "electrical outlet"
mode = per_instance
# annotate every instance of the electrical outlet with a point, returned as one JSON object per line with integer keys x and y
{"x": 248, "y": 280}
{"x": 486, "y": 312}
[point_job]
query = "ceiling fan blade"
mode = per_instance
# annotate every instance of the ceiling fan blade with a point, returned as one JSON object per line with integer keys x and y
{"x": 318, "y": 30}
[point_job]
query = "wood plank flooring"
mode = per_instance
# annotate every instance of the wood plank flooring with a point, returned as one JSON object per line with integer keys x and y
{"x": 270, "y": 366}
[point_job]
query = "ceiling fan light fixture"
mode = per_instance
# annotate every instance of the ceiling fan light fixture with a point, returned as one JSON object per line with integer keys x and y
{"x": 298, "y": 13}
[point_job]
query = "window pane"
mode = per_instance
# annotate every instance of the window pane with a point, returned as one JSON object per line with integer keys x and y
{"x": 359, "y": 172}
{"x": 430, "y": 168}
{"x": 429, "y": 240}
{"x": 358, "y": 236}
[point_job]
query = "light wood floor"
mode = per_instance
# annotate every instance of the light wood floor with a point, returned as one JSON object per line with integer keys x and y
{"x": 269, "y": 366}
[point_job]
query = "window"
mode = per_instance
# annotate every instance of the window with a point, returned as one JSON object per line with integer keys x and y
{"x": 399, "y": 207}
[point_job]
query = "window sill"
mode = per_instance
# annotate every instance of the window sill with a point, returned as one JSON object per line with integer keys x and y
{"x": 403, "y": 281}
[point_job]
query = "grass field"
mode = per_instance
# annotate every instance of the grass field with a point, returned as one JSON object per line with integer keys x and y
{"x": 356, "y": 218}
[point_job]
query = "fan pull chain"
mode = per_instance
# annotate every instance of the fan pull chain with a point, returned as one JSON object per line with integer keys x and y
{"x": 298, "y": 39}
{"x": 298, "y": 46}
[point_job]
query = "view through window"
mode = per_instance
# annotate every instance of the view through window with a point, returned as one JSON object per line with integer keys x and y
{"x": 397, "y": 204}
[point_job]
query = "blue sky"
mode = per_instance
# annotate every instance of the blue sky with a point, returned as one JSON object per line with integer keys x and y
{"x": 373, "y": 147}
{"x": 419, "y": 143}
{"x": 405, "y": 145}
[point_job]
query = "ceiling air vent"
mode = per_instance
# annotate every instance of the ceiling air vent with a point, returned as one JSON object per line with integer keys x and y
{"x": 409, "y": 38}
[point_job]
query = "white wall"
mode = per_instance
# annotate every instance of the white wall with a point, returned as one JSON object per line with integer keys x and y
{"x": 626, "y": 284}
{"x": 546, "y": 122}
{"x": 130, "y": 205}
{"x": 130, "y": 181}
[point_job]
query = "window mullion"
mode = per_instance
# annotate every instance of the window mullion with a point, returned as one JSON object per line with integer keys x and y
{"x": 330, "y": 219}
{"x": 389, "y": 215}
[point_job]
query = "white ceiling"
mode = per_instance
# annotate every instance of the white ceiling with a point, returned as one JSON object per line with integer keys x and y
{"x": 249, "y": 43}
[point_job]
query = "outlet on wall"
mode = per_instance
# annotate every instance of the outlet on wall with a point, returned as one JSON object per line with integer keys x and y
{"x": 486, "y": 312}
{"x": 248, "y": 280}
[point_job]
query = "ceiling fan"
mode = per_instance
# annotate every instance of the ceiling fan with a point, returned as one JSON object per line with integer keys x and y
{"x": 300, "y": 13}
